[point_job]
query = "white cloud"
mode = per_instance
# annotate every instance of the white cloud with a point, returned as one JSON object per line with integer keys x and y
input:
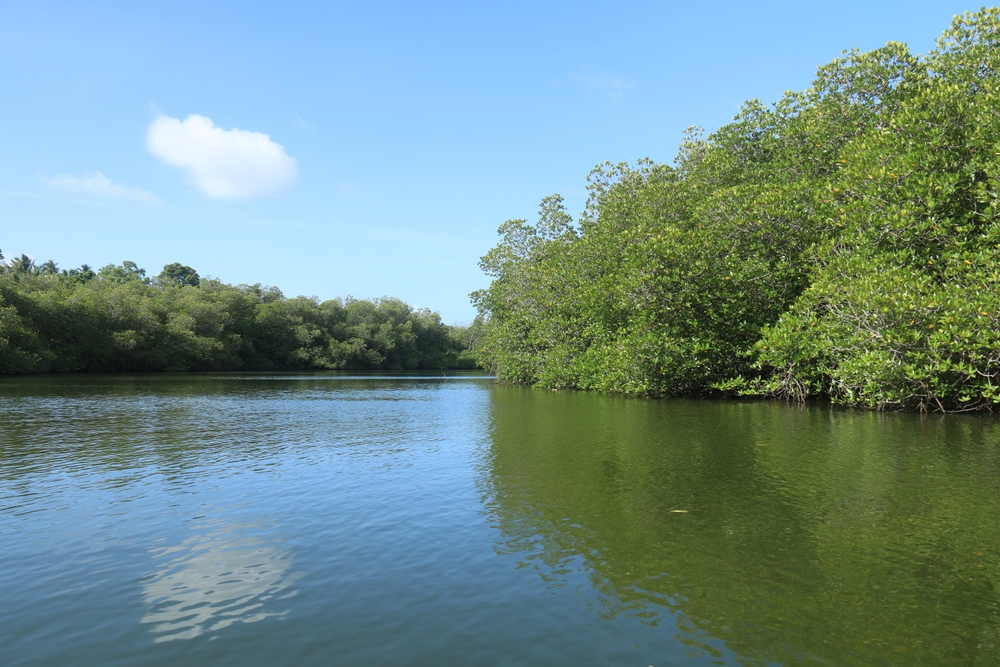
{"x": 97, "y": 184}
{"x": 302, "y": 124}
{"x": 607, "y": 85}
{"x": 224, "y": 164}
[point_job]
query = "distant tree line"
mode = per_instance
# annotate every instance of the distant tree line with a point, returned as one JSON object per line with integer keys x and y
{"x": 119, "y": 319}
{"x": 843, "y": 242}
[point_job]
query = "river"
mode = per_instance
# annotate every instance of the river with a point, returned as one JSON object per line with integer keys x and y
{"x": 335, "y": 519}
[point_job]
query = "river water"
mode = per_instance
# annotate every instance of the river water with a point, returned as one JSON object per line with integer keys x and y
{"x": 330, "y": 519}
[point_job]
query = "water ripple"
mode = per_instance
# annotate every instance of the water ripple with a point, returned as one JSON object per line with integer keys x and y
{"x": 209, "y": 581}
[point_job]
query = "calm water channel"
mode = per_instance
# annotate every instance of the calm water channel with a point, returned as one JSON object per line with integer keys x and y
{"x": 339, "y": 520}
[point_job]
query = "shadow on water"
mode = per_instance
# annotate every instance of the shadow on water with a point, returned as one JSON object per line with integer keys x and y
{"x": 784, "y": 535}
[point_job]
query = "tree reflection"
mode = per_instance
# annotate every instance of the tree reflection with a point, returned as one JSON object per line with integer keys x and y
{"x": 807, "y": 536}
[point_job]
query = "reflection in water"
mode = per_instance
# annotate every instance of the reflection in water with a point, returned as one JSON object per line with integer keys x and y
{"x": 808, "y": 536}
{"x": 208, "y": 582}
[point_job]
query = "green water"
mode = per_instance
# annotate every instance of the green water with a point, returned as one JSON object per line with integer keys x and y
{"x": 337, "y": 520}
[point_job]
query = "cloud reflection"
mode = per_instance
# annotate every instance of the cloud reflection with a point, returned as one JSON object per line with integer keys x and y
{"x": 211, "y": 581}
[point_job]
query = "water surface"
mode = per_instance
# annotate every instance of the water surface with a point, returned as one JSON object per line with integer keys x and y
{"x": 328, "y": 519}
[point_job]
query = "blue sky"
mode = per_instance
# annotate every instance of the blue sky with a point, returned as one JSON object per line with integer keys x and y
{"x": 369, "y": 148}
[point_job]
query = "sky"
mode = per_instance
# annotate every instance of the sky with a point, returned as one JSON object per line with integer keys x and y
{"x": 369, "y": 149}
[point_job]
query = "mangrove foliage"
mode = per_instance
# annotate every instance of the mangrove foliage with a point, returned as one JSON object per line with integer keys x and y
{"x": 840, "y": 243}
{"x": 119, "y": 319}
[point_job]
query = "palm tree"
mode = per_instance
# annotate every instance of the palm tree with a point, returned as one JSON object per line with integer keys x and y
{"x": 22, "y": 264}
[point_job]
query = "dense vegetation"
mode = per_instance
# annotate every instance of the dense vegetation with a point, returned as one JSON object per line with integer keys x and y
{"x": 840, "y": 243}
{"x": 118, "y": 319}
